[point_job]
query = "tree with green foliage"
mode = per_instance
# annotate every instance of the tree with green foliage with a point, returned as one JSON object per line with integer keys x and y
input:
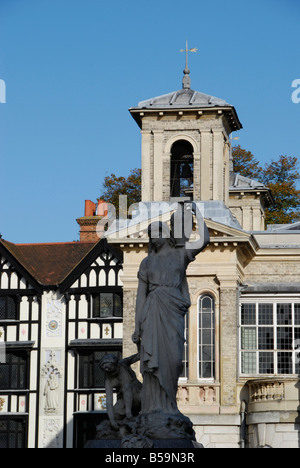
{"x": 245, "y": 164}
{"x": 280, "y": 177}
{"x": 114, "y": 186}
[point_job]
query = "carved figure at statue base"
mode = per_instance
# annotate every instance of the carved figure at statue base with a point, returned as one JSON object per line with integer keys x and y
{"x": 120, "y": 376}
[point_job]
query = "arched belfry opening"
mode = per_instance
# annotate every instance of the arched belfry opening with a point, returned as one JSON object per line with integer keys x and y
{"x": 182, "y": 170}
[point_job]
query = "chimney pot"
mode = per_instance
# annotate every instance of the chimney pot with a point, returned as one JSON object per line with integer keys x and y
{"x": 90, "y": 208}
{"x": 102, "y": 209}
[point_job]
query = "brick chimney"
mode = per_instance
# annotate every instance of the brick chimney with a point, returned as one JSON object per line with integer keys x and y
{"x": 88, "y": 223}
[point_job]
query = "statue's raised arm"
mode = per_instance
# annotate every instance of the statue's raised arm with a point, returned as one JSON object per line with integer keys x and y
{"x": 182, "y": 226}
{"x": 199, "y": 245}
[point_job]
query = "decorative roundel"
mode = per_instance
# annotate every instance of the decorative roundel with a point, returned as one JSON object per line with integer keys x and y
{"x": 53, "y": 325}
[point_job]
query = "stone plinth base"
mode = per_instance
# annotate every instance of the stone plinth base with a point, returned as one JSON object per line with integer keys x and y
{"x": 147, "y": 431}
{"x": 157, "y": 444}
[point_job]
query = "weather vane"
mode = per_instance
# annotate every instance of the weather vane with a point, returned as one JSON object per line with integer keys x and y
{"x": 187, "y": 50}
{"x": 186, "y": 82}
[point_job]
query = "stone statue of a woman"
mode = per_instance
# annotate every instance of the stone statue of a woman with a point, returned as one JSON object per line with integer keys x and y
{"x": 51, "y": 393}
{"x": 162, "y": 303}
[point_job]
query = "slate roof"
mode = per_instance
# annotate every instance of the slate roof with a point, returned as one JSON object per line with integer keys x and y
{"x": 49, "y": 264}
{"x": 237, "y": 181}
{"x": 187, "y": 99}
{"x": 284, "y": 227}
{"x": 183, "y": 98}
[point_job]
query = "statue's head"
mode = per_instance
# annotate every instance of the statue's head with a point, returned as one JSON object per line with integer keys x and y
{"x": 109, "y": 363}
{"x": 159, "y": 234}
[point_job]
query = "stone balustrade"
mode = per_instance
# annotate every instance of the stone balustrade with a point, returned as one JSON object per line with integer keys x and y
{"x": 194, "y": 395}
{"x": 265, "y": 390}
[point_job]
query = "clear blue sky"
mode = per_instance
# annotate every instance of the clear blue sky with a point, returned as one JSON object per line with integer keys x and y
{"x": 72, "y": 69}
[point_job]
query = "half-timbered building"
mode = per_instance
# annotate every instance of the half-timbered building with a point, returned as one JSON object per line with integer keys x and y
{"x": 61, "y": 308}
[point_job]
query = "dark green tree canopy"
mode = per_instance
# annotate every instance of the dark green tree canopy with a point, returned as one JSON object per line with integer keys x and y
{"x": 114, "y": 186}
{"x": 280, "y": 176}
{"x": 245, "y": 164}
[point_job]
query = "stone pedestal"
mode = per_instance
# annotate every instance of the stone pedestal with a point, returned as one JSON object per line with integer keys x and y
{"x": 147, "y": 431}
{"x": 157, "y": 444}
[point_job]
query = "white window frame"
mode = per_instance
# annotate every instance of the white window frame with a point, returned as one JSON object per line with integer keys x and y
{"x": 269, "y": 299}
{"x": 183, "y": 380}
{"x": 203, "y": 379}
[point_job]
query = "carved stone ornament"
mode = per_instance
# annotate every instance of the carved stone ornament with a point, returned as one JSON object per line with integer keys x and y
{"x": 54, "y": 318}
{"x": 183, "y": 395}
{"x": 52, "y": 373}
{"x": 52, "y": 434}
{"x": 136, "y": 441}
{"x": 207, "y": 395}
{"x": 2, "y": 403}
{"x": 265, "y": 391}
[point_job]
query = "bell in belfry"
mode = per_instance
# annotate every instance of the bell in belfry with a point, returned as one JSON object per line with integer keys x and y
{"x": 186, "y": 172}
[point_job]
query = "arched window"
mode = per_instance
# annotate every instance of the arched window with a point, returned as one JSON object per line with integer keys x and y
{"x": 206, "y": 337}
{"x": 185, "y": 358}
{"x": 182, "y": 169}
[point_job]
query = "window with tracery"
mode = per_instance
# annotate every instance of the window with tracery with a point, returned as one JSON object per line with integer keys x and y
{"x": 206, "y": 337}
{"x": 270, "y": 338}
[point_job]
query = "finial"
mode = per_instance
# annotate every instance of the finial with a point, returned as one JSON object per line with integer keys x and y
{"x": 186, "y": 82}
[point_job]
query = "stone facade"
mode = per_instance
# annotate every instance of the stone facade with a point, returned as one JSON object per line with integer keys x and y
{"x": 252, "y": 400}
{"x": 248, "y": 210}
{"x": 208, "y": 135}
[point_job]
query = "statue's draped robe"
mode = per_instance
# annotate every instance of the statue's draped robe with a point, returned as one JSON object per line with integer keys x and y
{"x": 162, "y": 327}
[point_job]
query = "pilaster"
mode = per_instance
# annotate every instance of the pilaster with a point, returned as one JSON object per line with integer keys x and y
{"x": 52, "y": 371}
{"x": 146, "y": 166}
{"x": 218, "y": 166}
{"x": 158, "y": 166}
{"x": 206, "y": 176}
{"x": 197, "y": 176}
{"x": 229, "y": 343}
{"x": 226, "y": 172}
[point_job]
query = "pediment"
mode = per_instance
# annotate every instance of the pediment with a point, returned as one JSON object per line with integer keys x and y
{"x": 217, "y": 230}
{"x": 138, "y": 232}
